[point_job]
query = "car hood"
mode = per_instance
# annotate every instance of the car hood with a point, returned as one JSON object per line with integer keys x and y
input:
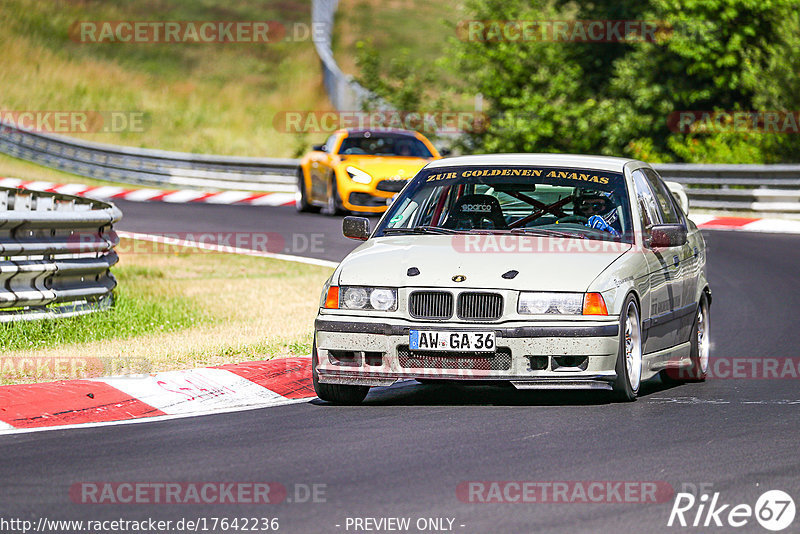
{"x": 385, "y": 168}
{"x": 543, "y": 263}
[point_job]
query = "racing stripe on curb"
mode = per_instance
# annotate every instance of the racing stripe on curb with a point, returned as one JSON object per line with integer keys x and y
{"x": 170, "y": 394}
{"x": 195, "y": 390}
{"x": 746, "y": 224}
{"x": 178, "y": 196}
{"x": 68, "y": 402}
{"x": 290, "y": 377}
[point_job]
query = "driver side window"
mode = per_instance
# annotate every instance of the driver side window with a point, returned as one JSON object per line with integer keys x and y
{"x": 648, "y": 206}
{"x": 669, "y": 211}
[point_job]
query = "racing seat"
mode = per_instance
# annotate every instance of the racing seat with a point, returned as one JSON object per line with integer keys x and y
{"x": 476, "y": 211}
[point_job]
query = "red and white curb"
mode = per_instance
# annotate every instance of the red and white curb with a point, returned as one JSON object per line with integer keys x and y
{"x": 166, "y": 395}
{"x": 746, "y": 224}
{"x": 182, "y": 196}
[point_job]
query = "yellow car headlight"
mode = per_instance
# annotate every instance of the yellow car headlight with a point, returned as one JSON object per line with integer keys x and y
{"x": 358, "y": 176}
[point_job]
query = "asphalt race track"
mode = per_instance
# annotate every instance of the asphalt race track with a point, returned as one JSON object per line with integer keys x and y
{"x": 404, "y": 452}
{"x": 303, "y": 234}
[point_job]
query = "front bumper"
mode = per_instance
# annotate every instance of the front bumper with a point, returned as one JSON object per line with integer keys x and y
{"x": 368, "y": 198}
{"x": 577, "y": 355}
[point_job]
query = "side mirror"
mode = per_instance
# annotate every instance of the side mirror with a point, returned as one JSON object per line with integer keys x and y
{"x": 679, "y": 192}
{"x": 356, "y": 228}
{"x": 667, "y": 235}
{"x": 445, "y": 152}
{"x": 318, "y": 148}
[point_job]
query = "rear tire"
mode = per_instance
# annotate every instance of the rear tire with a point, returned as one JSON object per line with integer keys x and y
{"x": 335, "y": 393}
{"x": 700, "y": 345}
{"x": 301, "y": 197}
{"x": 629, "y": 356}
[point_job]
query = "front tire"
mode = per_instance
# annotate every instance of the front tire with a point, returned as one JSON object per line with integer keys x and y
{"x": 629, "y": 356}
{"x": 335, "y": 393}
{"x": 334, "y": 206}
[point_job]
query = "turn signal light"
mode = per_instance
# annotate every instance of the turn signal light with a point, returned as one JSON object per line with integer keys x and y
{"x": 332, "y": 299}
{"x": 593, "y": 304}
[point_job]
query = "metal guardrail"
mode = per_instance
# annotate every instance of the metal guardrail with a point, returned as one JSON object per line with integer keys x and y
{"x": 343, "y": 91}
{"x": 55, "y": 255}
{"x": 141, "y": 166}
{"x": 750, "y": 188}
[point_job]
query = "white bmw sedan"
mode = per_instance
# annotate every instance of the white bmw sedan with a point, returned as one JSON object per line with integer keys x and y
{"x": 540, "y": 270}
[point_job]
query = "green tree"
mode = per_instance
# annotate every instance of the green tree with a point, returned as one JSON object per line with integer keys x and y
{"x": 719, "y": 55}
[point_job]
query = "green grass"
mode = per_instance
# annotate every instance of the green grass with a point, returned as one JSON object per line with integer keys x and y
{"x": 132, "y": 315}
{"x": 205, "y": 98}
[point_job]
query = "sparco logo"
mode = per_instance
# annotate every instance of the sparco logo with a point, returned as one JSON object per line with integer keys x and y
{"x": 476, "y": 208}
{"x": 774, "y": 510}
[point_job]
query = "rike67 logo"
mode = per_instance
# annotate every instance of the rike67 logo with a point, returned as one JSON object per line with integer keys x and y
{"x": 774, "y": 510}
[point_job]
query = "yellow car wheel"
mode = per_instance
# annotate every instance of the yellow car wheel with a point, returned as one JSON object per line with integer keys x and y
{"x": 334, "y": 206}
{"x": 301, "y": 199}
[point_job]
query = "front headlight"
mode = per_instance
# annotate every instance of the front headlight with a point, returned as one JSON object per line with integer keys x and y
{"x": 367, "y": 298}
{"x": 550, "y": 303}
{"x": 358, "y": 176}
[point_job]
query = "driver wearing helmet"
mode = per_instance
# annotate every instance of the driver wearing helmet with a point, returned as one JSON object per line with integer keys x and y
{"x": 599, "y": 209}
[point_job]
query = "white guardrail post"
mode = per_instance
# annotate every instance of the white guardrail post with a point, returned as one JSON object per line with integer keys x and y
{"x": 56, "y": 252}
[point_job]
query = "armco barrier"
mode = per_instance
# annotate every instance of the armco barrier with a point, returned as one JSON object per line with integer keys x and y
{"x": 55, "y": 254}
{"x": 749, "y": 188}
{"x": 159, "y": 168}
{"x": 343, "y": 91}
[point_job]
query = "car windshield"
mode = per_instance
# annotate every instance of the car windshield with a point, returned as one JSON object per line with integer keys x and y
{"x": 563, "y": 202}
{"x": 372, "y": 144}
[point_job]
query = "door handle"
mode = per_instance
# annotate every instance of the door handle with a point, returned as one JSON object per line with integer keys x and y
{"x": 676, "y": 260}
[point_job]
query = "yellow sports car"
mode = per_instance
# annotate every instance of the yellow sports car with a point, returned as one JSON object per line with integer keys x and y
{"x": 360, "y": 170}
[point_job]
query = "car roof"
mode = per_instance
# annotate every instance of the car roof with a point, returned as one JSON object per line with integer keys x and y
{"x": 604, "y": 163}
{"x": 393, "y": 131}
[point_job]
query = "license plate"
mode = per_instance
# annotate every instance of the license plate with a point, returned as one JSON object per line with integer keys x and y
{"x": 451, "y": 341}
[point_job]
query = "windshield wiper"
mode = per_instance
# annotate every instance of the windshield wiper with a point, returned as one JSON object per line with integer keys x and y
{"x": 546, "y": 232}
{"x": 419, "y": 230}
